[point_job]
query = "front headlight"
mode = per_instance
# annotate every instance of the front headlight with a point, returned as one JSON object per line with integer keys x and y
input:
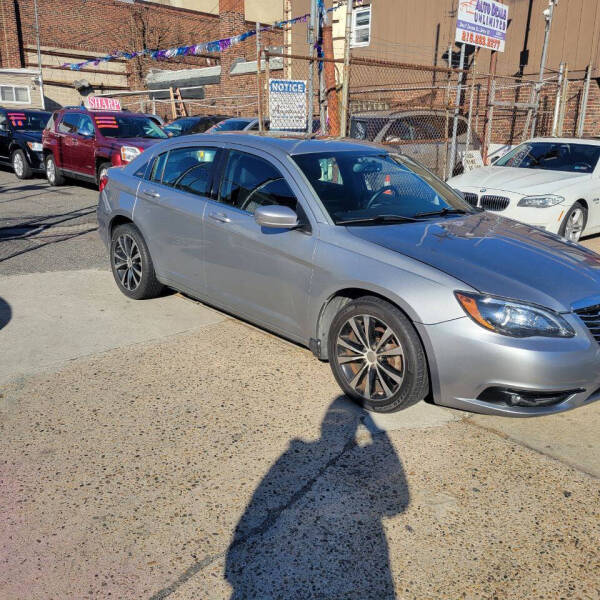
{"x": 541, "y": 201}
{"x": 35, "y": 146}
{"x": 128, "y": 153}
{"x": 513, "y": 318}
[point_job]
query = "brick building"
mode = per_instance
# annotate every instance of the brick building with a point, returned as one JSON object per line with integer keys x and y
{"x": 76, "y": 30}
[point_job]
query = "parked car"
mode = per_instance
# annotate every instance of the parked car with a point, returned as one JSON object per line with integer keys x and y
{"x": 424, "y": 135}
{"x": 237, "y": 124}
{"x": 84, "y": 144}
{"x": 368, "y": 259}
{"x": 196, "y": 124}
{"x": 21, "y": 140}
{"x": 553, "y": 183}
{"x": 251, "y": 124}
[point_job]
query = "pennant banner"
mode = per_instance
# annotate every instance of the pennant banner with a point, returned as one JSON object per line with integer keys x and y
{"x": 214, "y": 46}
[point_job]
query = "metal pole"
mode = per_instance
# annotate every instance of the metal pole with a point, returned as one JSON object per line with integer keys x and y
{"x": 548, "y": 14}
{"x": 258, "y": 78}
{"x": 470, "y": 121}
{"x": 557, "y": 103}
{"x": 584, "y": 101}
{"x": 487, "y": 122}
{"x": 564, "y": 100}
{"x": 39, "y": 53}
{"x": 346, "y": 72}
{"x": 453, "y": 148}
{"x": 311, "y": 65}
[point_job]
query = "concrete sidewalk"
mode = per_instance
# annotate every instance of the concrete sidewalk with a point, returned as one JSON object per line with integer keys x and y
{"x": 47, "y": 319}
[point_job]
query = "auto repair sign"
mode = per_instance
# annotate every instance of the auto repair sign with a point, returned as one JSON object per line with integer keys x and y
{"x": 482, "y": 23}
{"x": 287, "y": 104}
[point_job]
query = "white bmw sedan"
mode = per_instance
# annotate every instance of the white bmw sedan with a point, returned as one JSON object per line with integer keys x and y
{"x": 552, "y": 183}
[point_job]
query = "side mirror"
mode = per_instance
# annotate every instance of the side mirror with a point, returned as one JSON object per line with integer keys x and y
{"x": 276, "y": 217}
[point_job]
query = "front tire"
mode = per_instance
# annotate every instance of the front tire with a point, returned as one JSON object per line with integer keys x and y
{"x": 103, "y": 170}
{"x": 377, "y": 357}
{"x": 53, "y": 174}
{"x": 131, "y": 264}
{"x": 573, "y": 225}
{"x": 20, "y": 165}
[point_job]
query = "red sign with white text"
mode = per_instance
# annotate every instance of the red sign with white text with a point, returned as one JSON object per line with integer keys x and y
{"x": 101, "y": 103}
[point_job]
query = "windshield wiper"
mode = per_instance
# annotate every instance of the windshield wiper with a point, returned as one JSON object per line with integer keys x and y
{"x": 442, "y": 213}
{"x": 379, "y": 219}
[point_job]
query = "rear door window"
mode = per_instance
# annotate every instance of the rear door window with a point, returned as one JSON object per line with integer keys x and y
{"x": 158, "y": 167}
{"x": 190, "y": 169}
{"x": 69, "y": 123}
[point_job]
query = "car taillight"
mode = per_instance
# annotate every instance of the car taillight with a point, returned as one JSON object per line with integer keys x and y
{"x": 103, "y": 182}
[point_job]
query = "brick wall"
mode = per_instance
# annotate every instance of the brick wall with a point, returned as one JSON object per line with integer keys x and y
{"x": 102, "y": 26}
{"x": 10, "y": 56}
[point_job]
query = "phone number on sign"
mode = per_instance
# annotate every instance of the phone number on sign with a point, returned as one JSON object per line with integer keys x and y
{"x": 477, "y": 39}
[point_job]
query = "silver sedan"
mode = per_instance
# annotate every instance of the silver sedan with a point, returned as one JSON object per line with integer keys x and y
{"x": 368, "y": 259}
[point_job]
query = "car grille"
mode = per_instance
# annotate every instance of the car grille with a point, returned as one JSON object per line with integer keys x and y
{"x": 590, "y": 315}
{"x": 471, "y": 198}
{"x": 496, "y": 203}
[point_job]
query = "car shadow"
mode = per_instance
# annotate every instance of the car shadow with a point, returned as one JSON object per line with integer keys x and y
{"x": 314, "y": 525}
{"x": 5, "y": 313}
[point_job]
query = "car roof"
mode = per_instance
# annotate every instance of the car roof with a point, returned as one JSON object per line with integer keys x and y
{"x": 290, "y": 145}
{"x": 29, "y": 110}
{"x": 395, "y": 114}
{"x": 567, "y": 140}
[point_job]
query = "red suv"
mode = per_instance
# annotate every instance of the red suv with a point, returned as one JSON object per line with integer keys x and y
{"x": 84, "y": 144}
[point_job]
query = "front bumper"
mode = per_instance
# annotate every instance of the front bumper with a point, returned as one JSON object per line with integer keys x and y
{"x": 547, "y": 218}
{"x": 36, "y": 160}
{"x": 465, "y": 360}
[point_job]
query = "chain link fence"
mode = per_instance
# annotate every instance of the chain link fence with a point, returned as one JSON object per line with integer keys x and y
{"x": 448, "y": 120}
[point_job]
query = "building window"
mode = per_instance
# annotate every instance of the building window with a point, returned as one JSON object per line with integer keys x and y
{"x": 361, "y": 26}
{"x": 15, "y": 94}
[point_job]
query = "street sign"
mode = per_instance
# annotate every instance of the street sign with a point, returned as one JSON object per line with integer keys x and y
{"x": 287, "y": 104}
{"x": 102, "y": 103}
{"x": 482, "y": 23}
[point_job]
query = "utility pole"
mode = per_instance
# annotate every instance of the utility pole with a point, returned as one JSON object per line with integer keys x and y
{"x": 548, "y": 14}
{"x": 259, "y": 78}
{"x": 487, "y": 124}
{"x": 39, "y": 53}
{"x": 461, "y": 68}
{"x": 346, "y": 71}
{"x": 311, "y": 65}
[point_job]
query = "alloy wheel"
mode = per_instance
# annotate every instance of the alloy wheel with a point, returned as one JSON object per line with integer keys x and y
{"x": 370, "y": 357}
{"x": 51, "y": 171}
{"x": 127, "y": 261}
{"x": 18, "y": 165}
{"x": 574, "y": 226}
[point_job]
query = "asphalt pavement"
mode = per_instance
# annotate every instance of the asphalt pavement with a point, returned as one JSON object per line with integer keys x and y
{"x": 162, "y": 449}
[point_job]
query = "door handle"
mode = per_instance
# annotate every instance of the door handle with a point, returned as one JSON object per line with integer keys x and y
{"x": 151, "y": 193}
{"x": 221, "y": 217}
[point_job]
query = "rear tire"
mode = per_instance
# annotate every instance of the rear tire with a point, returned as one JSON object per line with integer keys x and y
{"x": 53, "y": 173}
{"x": 20, "y": 165}
{"x": 131, "y": 264}
{"x": 377, "y": 357}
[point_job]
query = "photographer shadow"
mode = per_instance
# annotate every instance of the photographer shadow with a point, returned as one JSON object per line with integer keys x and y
{"x": 314, "y": 526}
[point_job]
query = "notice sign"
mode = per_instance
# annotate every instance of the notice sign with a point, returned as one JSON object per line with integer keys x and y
{"x": 482, "y": 23}
{"x": 287, "y": 104}
{"x": 101, "y": 103}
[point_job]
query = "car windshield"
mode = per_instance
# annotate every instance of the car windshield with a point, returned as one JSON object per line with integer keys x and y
{"x": 121, "y": 126}
{"x": 552, "y": 156}
{"x": 26, "y": 120}
{"x": 232, "y": 125}
{"x": 360, "y": 187}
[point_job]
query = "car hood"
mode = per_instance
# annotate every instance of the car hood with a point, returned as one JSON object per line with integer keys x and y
{"x": 511, "y": 179}
{"x": 137, "y": 142}
{"x": 498, "y": 256}
{"x": 28, "y": 136}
